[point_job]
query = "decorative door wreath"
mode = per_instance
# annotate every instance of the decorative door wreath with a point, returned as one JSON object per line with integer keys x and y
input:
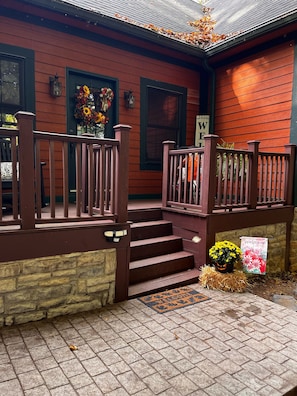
{"x": 91, "y": 106}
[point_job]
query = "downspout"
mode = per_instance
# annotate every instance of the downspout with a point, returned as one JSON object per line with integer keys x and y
{"x": 212, "y": 103}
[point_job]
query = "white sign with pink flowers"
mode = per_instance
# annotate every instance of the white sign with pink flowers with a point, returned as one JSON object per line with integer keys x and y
{"x": 254, "y": 254}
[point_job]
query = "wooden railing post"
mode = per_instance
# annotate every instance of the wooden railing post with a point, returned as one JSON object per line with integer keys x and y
{"x": 253, "y": 146}
{"x": 84, "y": 162}
{"x": 26, "y": 169}
{"x": 209, "y": 174}
{"x": 167, "y": 145}
{"x": 289, "y": 182}
{"x": 122, "y": 134}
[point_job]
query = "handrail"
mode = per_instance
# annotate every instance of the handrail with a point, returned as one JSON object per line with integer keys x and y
{"x": 213, "y": 178}
{"x": 100, "y": 168}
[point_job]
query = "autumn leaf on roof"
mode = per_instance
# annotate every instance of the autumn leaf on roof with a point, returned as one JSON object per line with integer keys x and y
{"x": 202, "y": 36}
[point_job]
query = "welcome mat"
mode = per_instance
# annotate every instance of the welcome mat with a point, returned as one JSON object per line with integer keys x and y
{"x": 173, "y": 299}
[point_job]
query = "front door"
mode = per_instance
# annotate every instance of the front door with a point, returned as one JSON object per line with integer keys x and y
{"x": 91, "y": 108}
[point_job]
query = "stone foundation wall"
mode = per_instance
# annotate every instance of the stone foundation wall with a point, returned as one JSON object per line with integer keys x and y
{"x": 293, "y": 244}
{"x": 46, "y": 287}
{"x": 276, "y": 234}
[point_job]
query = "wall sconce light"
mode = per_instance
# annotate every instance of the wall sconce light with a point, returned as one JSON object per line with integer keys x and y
{"x": 55, "y": 86}
{"x": 129, "y": 99}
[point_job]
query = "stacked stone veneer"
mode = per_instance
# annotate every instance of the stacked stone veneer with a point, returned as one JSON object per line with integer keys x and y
{"x": 276, "y": 234}
{"x": 293, "y": 244}
{"x": 46, "y": 287}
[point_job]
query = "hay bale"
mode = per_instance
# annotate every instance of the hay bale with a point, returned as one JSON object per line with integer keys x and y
{"x": 235, "y": 281}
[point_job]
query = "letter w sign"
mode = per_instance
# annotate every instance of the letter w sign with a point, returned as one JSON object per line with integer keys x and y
{"x": 202, "y": 128}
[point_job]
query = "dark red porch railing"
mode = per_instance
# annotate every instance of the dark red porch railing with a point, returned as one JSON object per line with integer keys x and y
{"x": 101, "y": 176}
{"x": 213, "y": 178}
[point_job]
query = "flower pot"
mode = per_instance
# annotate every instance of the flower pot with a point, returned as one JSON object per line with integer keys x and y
{"x": 224, "y": 267}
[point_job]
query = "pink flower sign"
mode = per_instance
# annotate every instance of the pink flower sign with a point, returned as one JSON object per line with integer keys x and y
{"x": 254, "y": 254}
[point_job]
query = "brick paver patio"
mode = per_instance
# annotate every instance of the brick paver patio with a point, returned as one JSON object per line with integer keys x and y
{"x": 232, "y": 344}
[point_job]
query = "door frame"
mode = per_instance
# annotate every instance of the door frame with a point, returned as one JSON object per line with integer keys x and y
{"x": 70, "y": 72}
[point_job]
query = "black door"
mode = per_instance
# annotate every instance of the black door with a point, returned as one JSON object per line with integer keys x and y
{"x": 87, "y": 92}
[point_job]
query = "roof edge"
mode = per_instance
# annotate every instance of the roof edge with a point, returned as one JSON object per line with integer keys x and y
{"x": 252, "y": 34}
{"x": 120, "y": 26}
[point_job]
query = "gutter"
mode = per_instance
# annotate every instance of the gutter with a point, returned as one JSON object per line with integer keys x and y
{"x": 212, "y": 74}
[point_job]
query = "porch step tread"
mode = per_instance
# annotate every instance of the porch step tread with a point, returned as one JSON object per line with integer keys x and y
{"x": 150, "y": 229}
{"x": 144, "y": 215}
{"x": 149, "y": 223}
{"x": 157, "y": 266}
{"x": 151, "y": 241}
{"x": 159, "y": 259}
{"x": 166, "y": 282}
{"x": 150, "y": 247}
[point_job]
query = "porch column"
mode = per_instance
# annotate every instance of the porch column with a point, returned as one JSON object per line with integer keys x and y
{"x": 122, "y": 134}
{"x": 253, "y": 146}
{"x": 291, "y": 150}
{"x": 167, "y": 146}
{"x": 26, "y": 169}
{"x": 209, "y": 174}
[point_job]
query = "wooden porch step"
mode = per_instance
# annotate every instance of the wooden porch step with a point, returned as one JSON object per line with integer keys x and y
{"x": 164, "y": 283}
{"x": 150, "y": 229}
{"x": 136, "y": 215}
{"x": 145, "y": 248}
{"x": 157, "y": 259}
{"x": 157, "y": 266}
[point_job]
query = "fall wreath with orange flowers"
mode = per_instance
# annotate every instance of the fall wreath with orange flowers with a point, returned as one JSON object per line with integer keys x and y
{"x": 92, "y": 105}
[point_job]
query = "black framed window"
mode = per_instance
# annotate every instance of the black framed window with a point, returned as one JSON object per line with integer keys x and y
{"x": 163, "y": 117}
{"x": 16, "y": 83}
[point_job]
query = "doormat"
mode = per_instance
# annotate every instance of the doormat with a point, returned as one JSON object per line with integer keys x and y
{"x": 173, "y": 299}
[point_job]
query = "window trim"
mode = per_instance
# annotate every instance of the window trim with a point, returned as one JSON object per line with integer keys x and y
{"x": 145, "y": 84}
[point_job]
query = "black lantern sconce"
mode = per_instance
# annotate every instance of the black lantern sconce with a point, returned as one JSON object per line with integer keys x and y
{"x": 129, "y": 99}
{"x": 55, "y": 86}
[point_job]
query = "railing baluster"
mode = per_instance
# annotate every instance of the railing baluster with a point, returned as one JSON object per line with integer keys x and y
{"x": 102, "y": 180}
{"x": 107, "y": 178}
{"x": 65, "y": 179}
{"x": 37, "y": 179}
{"x": 271, "y": 162}
{"x": 113, "y": 152}
{"x": 181, "y": 177}
{"x": 52, "y": 178}
{"x": 15, "y": 171}
{"x": 97, "y": 153}
{"x": 91, "y": 180}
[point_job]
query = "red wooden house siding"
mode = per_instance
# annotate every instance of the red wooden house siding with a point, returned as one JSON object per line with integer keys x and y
{"x": 254, "y": 98}
{"x": 55, "y": 51}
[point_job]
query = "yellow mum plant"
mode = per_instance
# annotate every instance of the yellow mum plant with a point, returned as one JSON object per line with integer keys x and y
{"x": 224, "y": 254}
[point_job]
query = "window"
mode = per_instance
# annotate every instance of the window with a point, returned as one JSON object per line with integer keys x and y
{"x": 15, "y": 64}
{"x": 10, "y": 91}
{"x": 163, "y": 117}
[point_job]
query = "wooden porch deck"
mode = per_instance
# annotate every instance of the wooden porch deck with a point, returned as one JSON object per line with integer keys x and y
{"x": 224, "y": 190}
{"x": 59, "y": 209}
